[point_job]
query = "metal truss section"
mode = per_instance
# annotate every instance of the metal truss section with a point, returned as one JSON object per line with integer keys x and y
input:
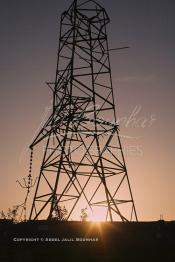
{"x": 83, "y": 162}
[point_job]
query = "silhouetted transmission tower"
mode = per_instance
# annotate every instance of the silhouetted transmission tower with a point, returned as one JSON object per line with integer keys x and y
{"x": 83, "y": 163}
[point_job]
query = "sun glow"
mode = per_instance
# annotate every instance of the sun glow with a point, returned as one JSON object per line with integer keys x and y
{"x": 98, "y": 215}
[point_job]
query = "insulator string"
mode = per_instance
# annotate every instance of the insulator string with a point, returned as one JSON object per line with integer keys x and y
{"x": 30, "y": 171}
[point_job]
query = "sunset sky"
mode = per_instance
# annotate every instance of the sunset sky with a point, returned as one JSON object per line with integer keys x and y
{"x": 143, "y": 82}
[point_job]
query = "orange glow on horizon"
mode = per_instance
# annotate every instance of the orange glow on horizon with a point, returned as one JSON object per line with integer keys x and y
{"x": 98, "y": 215}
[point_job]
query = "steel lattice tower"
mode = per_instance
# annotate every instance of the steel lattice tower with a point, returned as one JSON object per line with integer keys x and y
{"x": 83, "y": 162}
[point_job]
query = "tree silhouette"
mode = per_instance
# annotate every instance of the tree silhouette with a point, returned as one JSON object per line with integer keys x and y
{"x": 12, "y": 214}
{"x": 84, "y": 215}
{"x": 60, "y": 213}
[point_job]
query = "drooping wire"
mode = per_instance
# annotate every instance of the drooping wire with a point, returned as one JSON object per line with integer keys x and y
{"x": 26, "y": 184}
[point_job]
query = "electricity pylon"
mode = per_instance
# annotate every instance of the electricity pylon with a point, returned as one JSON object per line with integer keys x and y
{"x": 83, "y": 162}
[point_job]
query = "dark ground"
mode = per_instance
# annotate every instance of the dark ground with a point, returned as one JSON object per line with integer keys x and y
{"x": 87, "y": 241}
